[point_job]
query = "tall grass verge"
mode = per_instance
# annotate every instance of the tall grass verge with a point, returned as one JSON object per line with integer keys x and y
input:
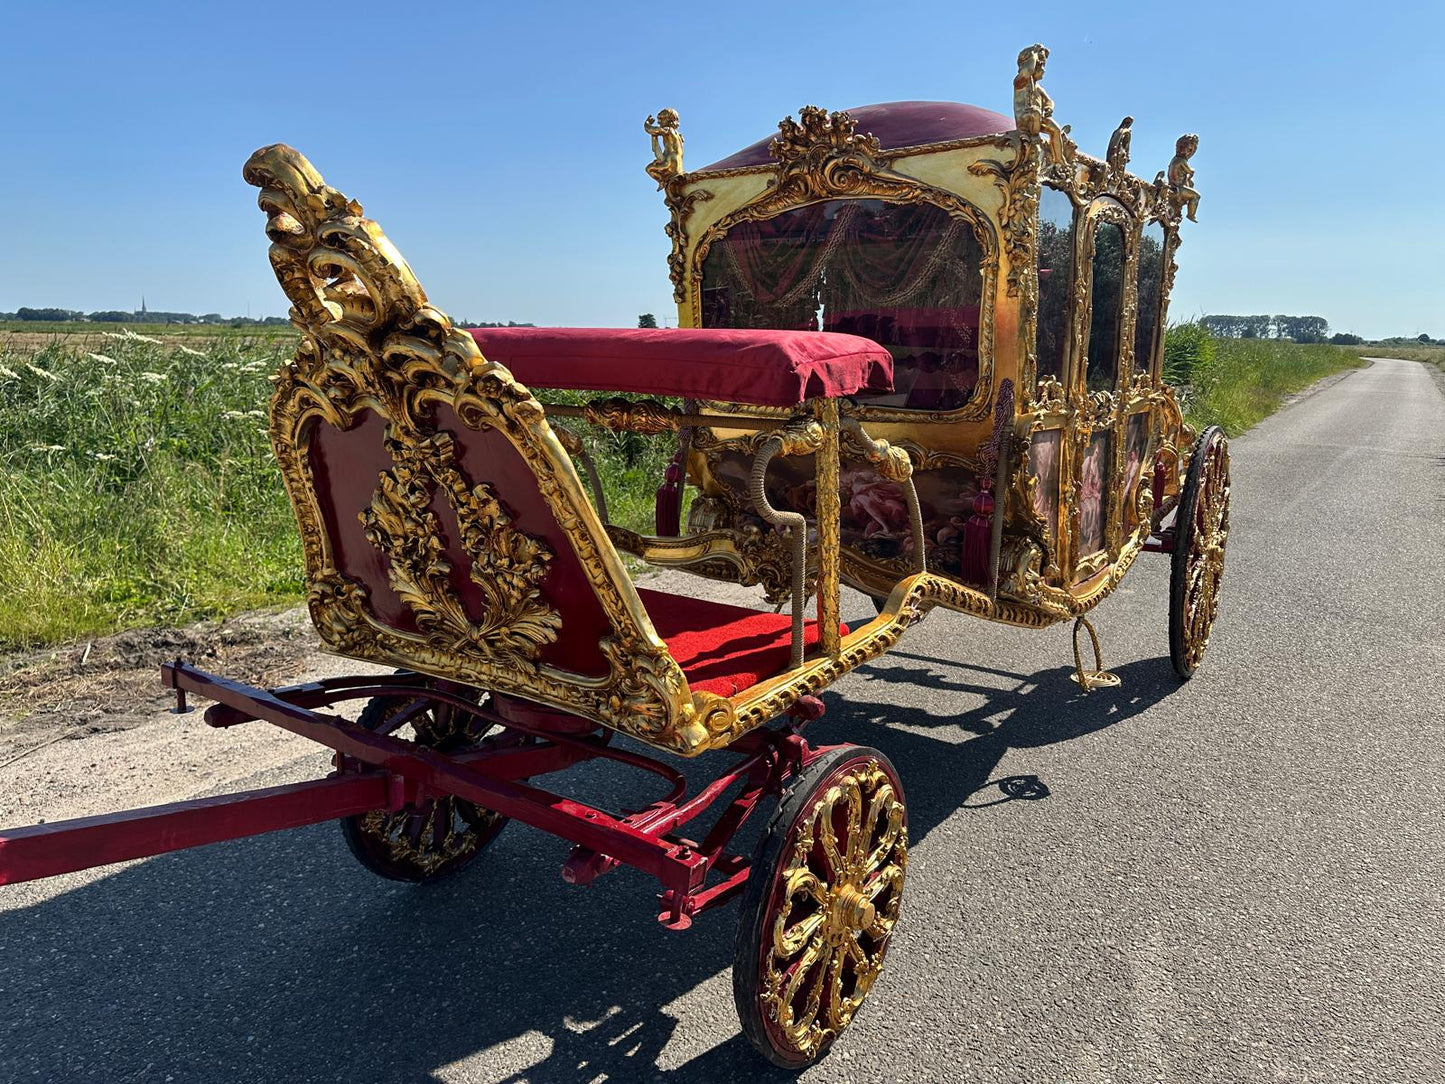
{"x": 1234, "y": 383}
{"x": 1430, "y": 355}
{"x": 137, "y": 485}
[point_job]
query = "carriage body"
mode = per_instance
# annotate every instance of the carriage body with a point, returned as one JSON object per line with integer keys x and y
{"x": 1022, "y": 287}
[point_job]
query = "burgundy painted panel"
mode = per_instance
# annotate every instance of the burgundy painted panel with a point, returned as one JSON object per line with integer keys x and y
{"x": 487, "y": 456}
{"x": 347, "y": 467}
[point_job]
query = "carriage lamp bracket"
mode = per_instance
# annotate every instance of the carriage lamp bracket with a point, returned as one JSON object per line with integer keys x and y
{"x": 1097, "y": 678}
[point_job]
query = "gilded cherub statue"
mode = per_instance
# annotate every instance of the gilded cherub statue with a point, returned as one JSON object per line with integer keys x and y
{"x": 1033, "y": 108}
{"x": 1181, "y": 174}
{"x": 666, "y": 147}
{"x": 1118, "y": 154}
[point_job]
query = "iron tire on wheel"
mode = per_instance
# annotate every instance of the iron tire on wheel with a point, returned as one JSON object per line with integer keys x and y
{"x": 816, "y": 916}
{"x": 434, "y": 838}
{"x": 1201, "y": 532}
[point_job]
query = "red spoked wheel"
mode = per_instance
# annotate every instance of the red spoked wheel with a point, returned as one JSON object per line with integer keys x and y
{"x": 441, "y": 834}
{"x": 1201, "y": 532}
{"x": 820, "y": 905}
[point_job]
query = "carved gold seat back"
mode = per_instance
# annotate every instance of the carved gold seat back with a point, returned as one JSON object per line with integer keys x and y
{"x": 444, "y": 527}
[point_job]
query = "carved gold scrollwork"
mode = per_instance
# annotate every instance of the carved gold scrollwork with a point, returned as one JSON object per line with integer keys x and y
{"x": 646, "y": 416}
{"x": 1018, "y": 181}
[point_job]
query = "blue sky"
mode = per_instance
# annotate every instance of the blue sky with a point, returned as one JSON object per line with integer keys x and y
{"x": 501, "y": 148}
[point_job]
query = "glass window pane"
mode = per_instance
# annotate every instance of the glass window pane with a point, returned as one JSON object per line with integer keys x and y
{"x": 1108, "y": 294}
{"x": 908, "y": 277}
{"x": 1151, "y": 281}
{"x": 1056, "y": 261}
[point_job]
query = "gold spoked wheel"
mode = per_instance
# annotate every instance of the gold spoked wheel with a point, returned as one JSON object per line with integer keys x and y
{"x": 820, "y": 904}
{"x": 1200, "y": 534}
{"x": 440, "y": 834}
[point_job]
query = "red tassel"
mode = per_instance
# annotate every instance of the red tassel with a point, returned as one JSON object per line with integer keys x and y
{"x": 977, "y": 540}
{"x": 667, "y": 513}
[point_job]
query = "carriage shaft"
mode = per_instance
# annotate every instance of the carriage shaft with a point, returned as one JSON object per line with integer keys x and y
{"x": 45, "y": 850}
{"x": 676, "y": 866}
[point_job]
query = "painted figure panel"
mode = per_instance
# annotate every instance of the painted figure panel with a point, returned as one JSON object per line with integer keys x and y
{"x": 1136, "y": 448}
{"x": 1094, "y": 492}
{"x": 1044, "y": 464}
{"x": 874, "y": 514}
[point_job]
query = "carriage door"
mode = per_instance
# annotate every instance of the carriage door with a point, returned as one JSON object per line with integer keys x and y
{"x": 1100, "y": 380}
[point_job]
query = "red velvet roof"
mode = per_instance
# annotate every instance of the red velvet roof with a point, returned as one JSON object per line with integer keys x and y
{"x": 761, "y": 368}
{"x": 897, "y": 125}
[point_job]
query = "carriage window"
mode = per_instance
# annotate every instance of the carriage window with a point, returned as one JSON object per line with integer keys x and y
{"x": 1151, "y": 281}
{"x": 1056, "y": 262}
{"x": 1108, "y": 295}
{"x": 907, "y": 276}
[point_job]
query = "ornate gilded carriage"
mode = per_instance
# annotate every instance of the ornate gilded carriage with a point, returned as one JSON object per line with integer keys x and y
{"x": 987, "y": 429}
{"x": 1022, "y": 287}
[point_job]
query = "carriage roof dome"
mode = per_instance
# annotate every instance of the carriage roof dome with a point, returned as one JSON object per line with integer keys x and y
{"x": 897, "y": 125}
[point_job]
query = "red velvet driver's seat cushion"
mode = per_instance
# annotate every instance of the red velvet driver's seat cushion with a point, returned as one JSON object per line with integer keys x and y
{"x": 734, "y": 365}
{"x": 723, "y": 649}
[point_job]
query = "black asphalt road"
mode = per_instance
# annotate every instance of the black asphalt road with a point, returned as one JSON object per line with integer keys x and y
{"x": 1238, "y": 879}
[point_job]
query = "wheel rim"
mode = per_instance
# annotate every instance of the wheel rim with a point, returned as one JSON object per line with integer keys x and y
{"x": 833, "y": 906}
{"x": 441, "y": 832}
{"x": 1208, "y": 537}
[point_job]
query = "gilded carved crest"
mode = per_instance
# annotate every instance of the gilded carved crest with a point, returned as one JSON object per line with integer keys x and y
{"x": 508, "y": 567}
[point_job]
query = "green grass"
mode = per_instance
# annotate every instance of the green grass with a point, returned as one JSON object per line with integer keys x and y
{"x": 1431, "y": 355}
{"x": 68, "y": 329}
{"x": 137, "y": 485}
{"x": 1234, "y": 383}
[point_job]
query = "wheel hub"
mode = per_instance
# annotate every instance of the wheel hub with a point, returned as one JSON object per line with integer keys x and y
{"x": 851, "y": 911}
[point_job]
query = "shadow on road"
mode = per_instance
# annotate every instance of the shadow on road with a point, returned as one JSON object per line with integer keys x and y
{"x": 279, "y": 959}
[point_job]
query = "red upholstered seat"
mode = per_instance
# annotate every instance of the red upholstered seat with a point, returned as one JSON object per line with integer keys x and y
{"x": 723, "y": 649}
{"x": 761, "y": 368}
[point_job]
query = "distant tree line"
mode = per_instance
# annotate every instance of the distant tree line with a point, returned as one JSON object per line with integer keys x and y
{"x": 146, "y": 316}
{"x": 153, "y": 316}
{"x": 1300, "y": 329}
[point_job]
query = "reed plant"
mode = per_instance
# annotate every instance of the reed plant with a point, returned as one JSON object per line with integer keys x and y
{"x": 137, "y": 485}
{"x": 1234, "y": 383}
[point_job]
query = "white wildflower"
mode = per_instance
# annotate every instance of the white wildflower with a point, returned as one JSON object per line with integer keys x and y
{"x": 232, "y": 415}
{"x": 127, "y": 333}
{"x": 255, "y": 413}
{"x": 48, "y": 448}
{"x": 9, "y": 374}
{"x": 38, "y": 371}
{"x": 104, "y": 457}
{"x": 153, "y": 378}
{"x": 193, "y": 353}
{"x": 104, "y": 359}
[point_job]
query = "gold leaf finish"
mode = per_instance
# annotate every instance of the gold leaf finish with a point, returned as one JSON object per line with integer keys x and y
{"x": 834, "y": 909}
